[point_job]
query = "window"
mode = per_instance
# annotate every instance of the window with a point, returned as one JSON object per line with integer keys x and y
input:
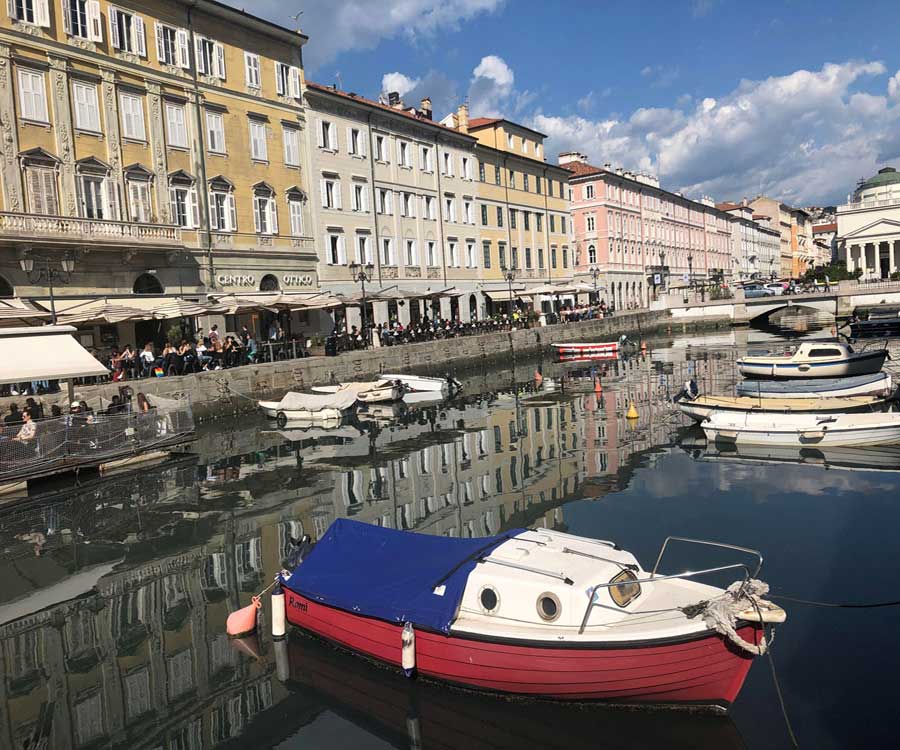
{"x": 215, "y": 132}
{"x": 251, "y": 70}
{"x": 626, "y": 590}
{"x": 525, "y": 182}
{"x": 363, "y": 249}
{"x": 210, "y": 57}
{"x": 337, "y": 254}
{"x": 527, "y": 257}
{"x": 137, "y": 185}
{"x": 132, "y": 117}
{"x": 514, "y": 257}
{"x": 356, "y": 144}
{"x": 452, "y": 259}
{"x": 509, "y": 141}
{"x": 562, "y": 224}
{"x": 527, "y": 220}
{"x": 385, "y": 201}
{"x": 499, "y": 216}
{"x": 486, "y": 254}
{"x": 40, "y": 183}
{"x": 259, "y": 150}
{"x": 512, "y": 218}
{"x": 481, "y": 175}
{"x": 222, "y": 213}
{"x": 411, "y": 256}
{"x": 512, "y": 179}
{"x": 81, "y": 18}
{"x": 327, "y": 135}
{"x": 431, "y": 253}
{"x": 425, "y": 158}
{"x": 331, "y": 192}
{"x": 403, "y": 157}
{"x": 497, "y": 179}
{"x": 429, "y": 208}
{"x": 552, "y": 223}
{"x": 588, "y": 192}
{"x": 450, "y": 210}
{"x": 287, "y": 80}
{"x": 172, "y": 46}
{"x": 541, "y": 258}
{"x": 471, "y": 260}
{"x": 126, "y": 30}
{"x": 292, "y": 147}
{"x": 183, "y": 202}
{"x": 484, "y": 215}
{"x": 380, "y": 149}
{"x": 539, "y": 220}
{"x": 448, "y": 164}
{"x": 537, "y": 185}
{"x": 553, "y": 257}
{"x": 409, "y": 205}
{"x": 466, "y": 168}
{"x": 467, "y": 212}
{"x": 87, "y": 110}
{"x": 387, "y": 252}
{"x": 176, "y": 127}
{"x": 32, "y": 96}
{"x": 265, "y": 212}
{"x": 502, "y": 255}
{"x": 98, "y": 196}
{"x": 565, "y": 256}
{"x": 589, "y": 223}
{"x": 360, "y": 197}
{"x": 295, "y": 212}
{"x": 36, "y": 12}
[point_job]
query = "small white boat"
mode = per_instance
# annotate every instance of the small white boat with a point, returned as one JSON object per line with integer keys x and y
{"x": 814, "y": 359}
{"x": 376, "y": 391}
{"x": 305, "y": 406}
{"x": 586, "y": 348}
{"x": 878, "y": 384}
{"x": 701, "y": 407}
{"x": 423, "y": 384}
{"x": 802, "y": 430}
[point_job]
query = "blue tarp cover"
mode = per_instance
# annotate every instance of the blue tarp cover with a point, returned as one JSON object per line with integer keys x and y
{"x": 391, "y": 575}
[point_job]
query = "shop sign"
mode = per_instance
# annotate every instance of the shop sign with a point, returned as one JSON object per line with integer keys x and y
{"x": 294, "y": 279}
{"x": 227, "y": 279}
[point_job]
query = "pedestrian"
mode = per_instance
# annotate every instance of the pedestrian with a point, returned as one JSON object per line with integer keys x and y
{"x": 14, "y": 417}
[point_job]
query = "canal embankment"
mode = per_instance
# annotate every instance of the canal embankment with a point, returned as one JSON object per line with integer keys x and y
{"x": 228, "y": 392}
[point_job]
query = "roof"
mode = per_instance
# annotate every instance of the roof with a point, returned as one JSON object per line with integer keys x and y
{"x": 476, "y": 123}
{"x": 729, "y": 206}
{"x": 580, "y": 169}
{"x": 224, "y": 9}
{"x": 885, "y": 176}
{"x": 44, "y": 353}
{"x": 391, "y": 575}
{"x": 832, "y": 227}
{"x": 384, "y": 107}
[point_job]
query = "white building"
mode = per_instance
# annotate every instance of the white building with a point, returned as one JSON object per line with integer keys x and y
{"x": 868, "y": 226}
{"x": 755, "y": 244}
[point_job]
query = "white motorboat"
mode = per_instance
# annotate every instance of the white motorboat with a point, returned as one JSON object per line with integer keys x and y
{"x": 701, "y": 407}
{"x": 305, "y": 406}
{"x": 802, "y": 430}
{"x": 813, "y": 359}
{"x": 878, "y": 384}
{"x": 372, "y": 392}
{"x": 423, "y": 384}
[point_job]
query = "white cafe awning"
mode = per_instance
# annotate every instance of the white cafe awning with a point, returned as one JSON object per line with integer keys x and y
{"x": 502, "y": 295}
{"x": 44, "y": 353}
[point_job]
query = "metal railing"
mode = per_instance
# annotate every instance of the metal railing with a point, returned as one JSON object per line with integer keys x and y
{"x": 87, "y": 439}
{"x": 687, "y": 574}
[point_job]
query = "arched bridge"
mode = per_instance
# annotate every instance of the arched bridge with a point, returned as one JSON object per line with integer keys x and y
{"x": 763, "y": 307}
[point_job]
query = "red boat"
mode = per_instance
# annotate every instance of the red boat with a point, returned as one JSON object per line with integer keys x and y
{"x": 530, "y": 612}
{"x": 584, "y": 349}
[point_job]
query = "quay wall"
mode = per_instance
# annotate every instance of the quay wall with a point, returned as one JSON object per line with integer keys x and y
{"x": 236, "y": 390}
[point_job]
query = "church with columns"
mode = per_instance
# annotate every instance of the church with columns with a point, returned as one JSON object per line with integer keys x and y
{"x": 868, "y": 226}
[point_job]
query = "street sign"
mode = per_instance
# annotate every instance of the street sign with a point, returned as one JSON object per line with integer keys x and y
{"x": 657, "y": 279}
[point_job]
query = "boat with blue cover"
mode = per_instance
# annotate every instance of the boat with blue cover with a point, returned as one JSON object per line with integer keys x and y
{"x": 877, "y": 384}
{"x": 534, "y": 612}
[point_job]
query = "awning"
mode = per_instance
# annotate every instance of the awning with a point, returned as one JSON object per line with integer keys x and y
{"x": 502, "y": 295}
{"x": 44, "y": 353}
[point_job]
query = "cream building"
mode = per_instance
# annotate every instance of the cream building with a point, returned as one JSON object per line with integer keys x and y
{"x": 156, "y": 146}
{"x": 868, "y": 226}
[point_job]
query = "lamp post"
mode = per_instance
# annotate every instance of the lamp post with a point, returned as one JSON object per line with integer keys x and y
{"x": 691, "y": 270}
{"x": 510, "y": 275}
{"x": 595, "y": 274}
{"x": 362, "y": 273}
{"x": 46, "y": 271}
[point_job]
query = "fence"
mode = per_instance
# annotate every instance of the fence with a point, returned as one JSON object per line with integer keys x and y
{"x": 89, "y": 439}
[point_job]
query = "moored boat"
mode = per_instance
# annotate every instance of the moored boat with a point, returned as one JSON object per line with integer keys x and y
{"x": 531, "y": 612}
{"x": 804, "y": 429}
{"x": 815, "y": 360}
{"x": 372, "y": 392}
{"x": 585, "y": 349}
{"x": 701, "y": 407}
{"x": 877, "y": 384}
{"x": 309, "y": 407}
{"x": 423, "y": 384}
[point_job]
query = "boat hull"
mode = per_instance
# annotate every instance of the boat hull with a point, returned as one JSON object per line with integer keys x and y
{"x": 861, "y": 364}
{"x": 802, "y": 438}
{"x": 584, "y": 349}
{"x": 421, "y": 384}
{"x": 862, "y": 386}
{"x": 700, "y": 670}
{"x": 699, "y": 410}
{"x": 272, "y": 410}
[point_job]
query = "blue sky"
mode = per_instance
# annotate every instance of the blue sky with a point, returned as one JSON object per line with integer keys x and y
{"x": 796, "y": 99}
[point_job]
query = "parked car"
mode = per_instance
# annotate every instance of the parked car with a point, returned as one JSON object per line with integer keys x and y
{"x": 757, "y": 290}
{"x": 776, "y": 288}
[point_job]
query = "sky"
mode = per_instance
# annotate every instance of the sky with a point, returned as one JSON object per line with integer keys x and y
{"x": 794, "y": 99}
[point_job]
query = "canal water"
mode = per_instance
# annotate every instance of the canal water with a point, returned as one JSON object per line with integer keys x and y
{"x": 115, "y": 593}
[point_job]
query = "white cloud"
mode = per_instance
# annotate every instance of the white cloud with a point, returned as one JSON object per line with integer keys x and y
{"x": 491, "y": 88}
{"x": 894, "y": 86}
{"x": 805, "y": 136}
{"x": 336, "y": 27}
{"x": 398, "y": 82}
{"x": 660, "y": 76}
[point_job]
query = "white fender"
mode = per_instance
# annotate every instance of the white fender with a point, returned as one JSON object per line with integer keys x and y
{"x": 278, "y": 613}
{"x": 408, "y": 649}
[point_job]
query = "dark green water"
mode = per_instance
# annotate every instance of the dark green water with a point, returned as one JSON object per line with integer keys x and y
{"x": 115, "y": 593}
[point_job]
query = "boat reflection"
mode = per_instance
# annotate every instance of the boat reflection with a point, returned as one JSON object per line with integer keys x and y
{"x": 419, "y": 714}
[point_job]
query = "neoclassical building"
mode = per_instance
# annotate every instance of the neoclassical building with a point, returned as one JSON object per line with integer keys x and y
{"x": 868, "y": 226}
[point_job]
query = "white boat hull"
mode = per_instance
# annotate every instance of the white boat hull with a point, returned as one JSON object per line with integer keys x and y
{"x": 846, "y": 430}
{"x": 368, "y": 393}
{"x": 703, "y": 407}
{"x": 272, "y": 410}
{"x": 421, "y": 383}
{"x": 882, "y": 386}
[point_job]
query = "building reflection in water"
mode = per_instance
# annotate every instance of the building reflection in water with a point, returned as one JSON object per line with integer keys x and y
{"x": 112, "y": 619}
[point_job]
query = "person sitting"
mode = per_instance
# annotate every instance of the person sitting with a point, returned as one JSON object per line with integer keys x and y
{"x": 203, "y": 357}
{"x": 37, "y": 411}
{"x": 55, "y": 411}
{"x": 251, "y": 349}
{"x": 148, "y": 359}
{"x": 28, "y": 432}
{"x": 14, "y": 417}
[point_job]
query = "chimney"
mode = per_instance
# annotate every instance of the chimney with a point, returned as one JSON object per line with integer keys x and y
{"x": 569, "y": 157}
{"x": 462, "y": 118}
{"x": 425, "y": 108}
{"x": 394, "y": 100}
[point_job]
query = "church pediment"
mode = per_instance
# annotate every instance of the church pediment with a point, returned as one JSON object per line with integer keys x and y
{"x": 880, "y": 228}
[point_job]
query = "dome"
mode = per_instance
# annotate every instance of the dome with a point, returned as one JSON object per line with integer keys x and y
{"x": 886, "y": 176}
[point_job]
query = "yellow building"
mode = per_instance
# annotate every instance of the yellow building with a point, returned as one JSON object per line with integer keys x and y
{"x": 158, "y": 144}
{"x": 523, "y": 205}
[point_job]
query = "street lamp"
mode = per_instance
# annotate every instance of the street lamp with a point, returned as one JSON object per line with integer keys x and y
{"x": 46, "y": 271}
{"x": 362, "y": 273}
{"x": 510, "y": 275}
{"x": 691, "y": 269}
{"x": 595, "y": 274}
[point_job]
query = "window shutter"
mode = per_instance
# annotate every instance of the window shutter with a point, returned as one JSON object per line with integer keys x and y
{"x": 111, "y": 188}
{"x": 324, "y": 190}
{"x": 363, "y": 138}
{"x": 66, "y": 16}
{"x": 42, "y": 13}
{"x": 183, "y": 52}
{"x": 198, "y": 53}
{"x": 173, "y": 204}
{"x": 11, "y": 9}
{"x": 350, "y": 141}
{"x": 273, "y": 215}
{"x": 337, "y": 194}
{"x": 320, "y": 136}
{"x": 332, "y": 138}
{"x": 134, "y": 201}
{"x": 232, "y": 212}
{"x": 160, "y": 42}
{"x": 140, "y": 36}
{"x": 342, "y": 250}
{"x": 79, "y": 196}
{"x": 113, "y": 28}
{"x": 195, "y": 207}
{"x": 365, "y": 198}
{"x": 248, "y": 70}
{"x": 220, "y": 61}
{"x": 279, "y": 80}
{"x": 213, "y": 217}
{"x": 295, "y": 82}
{"x": 94, "y": 20}
{"x": 256, "y": 217}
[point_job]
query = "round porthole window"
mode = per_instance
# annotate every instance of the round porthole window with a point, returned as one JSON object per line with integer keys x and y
{"x": 548, "y": 607}
{"x": 489, "y": 599}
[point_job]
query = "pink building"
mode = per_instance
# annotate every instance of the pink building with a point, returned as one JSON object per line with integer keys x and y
{"x": 638, "y": 239}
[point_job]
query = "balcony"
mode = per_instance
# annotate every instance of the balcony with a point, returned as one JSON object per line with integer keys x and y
{"x": 73, "y": 230}
{"x": 859, "y": 205}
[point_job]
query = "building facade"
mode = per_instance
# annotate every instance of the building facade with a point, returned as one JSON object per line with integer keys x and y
{"x": 156, "y": 144}
{"x": 755, "y": 246}
{"x": 868, "y": 226}
{"x": 640, "y": 239}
